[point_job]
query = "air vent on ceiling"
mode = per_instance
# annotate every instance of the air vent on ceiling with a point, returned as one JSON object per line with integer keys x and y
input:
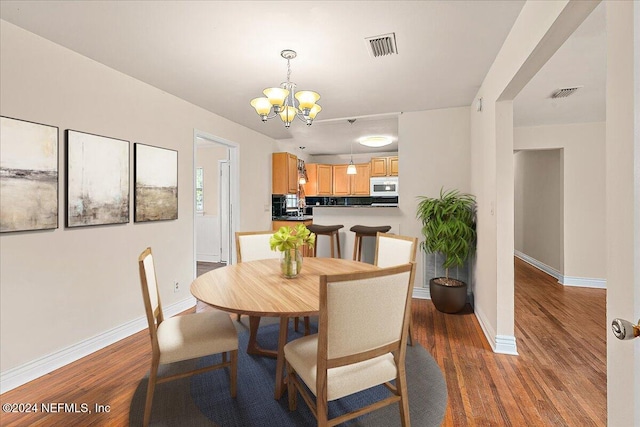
{"x": 564, "y": 92}
{"x": 382, "y": 45}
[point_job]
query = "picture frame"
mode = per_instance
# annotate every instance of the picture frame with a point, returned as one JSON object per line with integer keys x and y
{"x": 97, "y": 178}
{"x": 156, "y": 183}
{"x": 28, "y": 175}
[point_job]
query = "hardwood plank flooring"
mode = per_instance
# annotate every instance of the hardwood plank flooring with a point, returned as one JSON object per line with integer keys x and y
{"x": 559, "y": 378}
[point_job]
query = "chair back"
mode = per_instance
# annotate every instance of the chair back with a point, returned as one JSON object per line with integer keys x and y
{"x": 392, "y": 249}
{"x": 254, "y": 245}
{"x": 150, "y": 295}
{"x": 364, "y": 314}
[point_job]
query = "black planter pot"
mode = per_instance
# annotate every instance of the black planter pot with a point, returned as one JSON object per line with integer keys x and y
{"x": 448, "y": 299}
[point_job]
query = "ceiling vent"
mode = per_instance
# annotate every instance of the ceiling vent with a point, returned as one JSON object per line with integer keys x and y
{"x": 382, "y": 45}
{"x": 564, "y": 92}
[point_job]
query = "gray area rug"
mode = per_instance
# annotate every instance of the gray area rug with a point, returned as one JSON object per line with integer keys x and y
{"x": 204, "y": 400}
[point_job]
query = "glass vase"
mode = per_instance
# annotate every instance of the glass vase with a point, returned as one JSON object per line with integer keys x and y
{"x": 291, "y": 262}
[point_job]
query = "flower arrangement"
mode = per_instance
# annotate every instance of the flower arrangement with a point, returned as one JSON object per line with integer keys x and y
{"x": 287, "y": 240}
{"x": 292, "y": 238}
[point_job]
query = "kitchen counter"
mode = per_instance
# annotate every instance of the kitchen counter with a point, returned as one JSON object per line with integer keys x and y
{"x": 355, "y": 206}
{"x": 292, "y": 218}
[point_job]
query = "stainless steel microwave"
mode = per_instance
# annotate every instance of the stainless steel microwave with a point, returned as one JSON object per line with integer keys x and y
{"x": 384, "y": 186}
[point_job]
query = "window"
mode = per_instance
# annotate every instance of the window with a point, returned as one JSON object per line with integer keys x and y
{"x": 199, "y": 190}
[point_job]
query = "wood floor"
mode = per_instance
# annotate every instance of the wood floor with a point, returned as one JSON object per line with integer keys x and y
{"x": 559, "y": 378}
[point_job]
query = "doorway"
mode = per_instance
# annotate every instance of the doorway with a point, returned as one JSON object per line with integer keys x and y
{"x": 216, "y": 193}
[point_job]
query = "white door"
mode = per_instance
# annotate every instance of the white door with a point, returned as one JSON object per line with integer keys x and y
{"x": 623, "y": 208}
{"x": 225, "y": 210}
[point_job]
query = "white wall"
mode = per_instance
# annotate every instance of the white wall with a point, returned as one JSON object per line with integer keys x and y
{"x": 64, "y": 286}
{"x": 538, "y": 32}
{"x": 434, "y": 152}
{"x": 538, "y": 206}
{"x": 583, "y": 146}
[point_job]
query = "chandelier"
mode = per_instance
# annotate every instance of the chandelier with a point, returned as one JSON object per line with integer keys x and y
{"x": 281, "y": 101}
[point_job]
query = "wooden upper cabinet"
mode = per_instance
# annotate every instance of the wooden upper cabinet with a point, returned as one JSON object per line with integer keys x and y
{"x": 351, "y": 185}
{"x": 393, "y": 166}
{"x": 325, "y": 180}
{"x": 384, "y": 166}
{"x": 319, "y": 180}
{"x": 284, "y": 173}
{"x": 360, "y": 181}
{"x": 341, "y": 181}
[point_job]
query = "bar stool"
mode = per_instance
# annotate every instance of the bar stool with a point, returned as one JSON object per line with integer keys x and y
{"x": 326, "y": 230}
{"x": 365, "y": 231}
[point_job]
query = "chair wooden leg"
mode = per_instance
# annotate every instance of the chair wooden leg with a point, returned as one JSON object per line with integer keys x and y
{"x": 291, "y": 389}
{"x": 296, "y": 321}
{"x": 410, "y": 338}
{"x": 238, "y": 317}
{"x": 307, "y": 326}
{"x": 338, "y": 240}
{"x": 153, "y": 376}
{"x": 401, "y": 385}
{"x": 355, "y": 248}
{"x": 331, "y": 243}
{"x": 233, "y": 373}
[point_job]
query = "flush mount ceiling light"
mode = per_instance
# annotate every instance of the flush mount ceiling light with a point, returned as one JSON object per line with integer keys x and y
{"x": 375, "y": 141}
{"x": 282, "y": 100}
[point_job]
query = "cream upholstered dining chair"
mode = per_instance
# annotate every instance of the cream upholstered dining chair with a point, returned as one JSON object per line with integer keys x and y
{"x": 254, "y": 245}
{"x": 349, "y": 355}
{"x": 393, "y": 249}
{"x": 185, "y": 337}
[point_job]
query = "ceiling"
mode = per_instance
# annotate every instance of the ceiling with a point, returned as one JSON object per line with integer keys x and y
{"x": 221, "y": 54}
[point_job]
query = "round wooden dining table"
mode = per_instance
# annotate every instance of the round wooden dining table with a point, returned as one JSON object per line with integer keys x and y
{"x": 258, "y": 289}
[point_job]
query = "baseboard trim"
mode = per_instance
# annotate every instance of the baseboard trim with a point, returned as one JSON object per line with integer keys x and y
{"x": 539, "y": 265}
{"x": 503, "y": 344}
{"x": 584, "y": 282}
{"x": 208, "y": 257}
{"x": 421, "y": 293}
{"x": 15, "y": 377}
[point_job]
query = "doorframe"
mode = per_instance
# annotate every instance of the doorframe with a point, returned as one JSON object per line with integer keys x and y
{"x": 224, "y": 164}
{"x": 234, "y": 190}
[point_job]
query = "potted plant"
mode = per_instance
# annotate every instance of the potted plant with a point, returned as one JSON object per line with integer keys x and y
{"x": 448, "y": 227}
{"x": 288, "y": 240}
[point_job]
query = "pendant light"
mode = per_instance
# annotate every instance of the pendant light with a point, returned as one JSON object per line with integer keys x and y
{"x": 351, "y": 169}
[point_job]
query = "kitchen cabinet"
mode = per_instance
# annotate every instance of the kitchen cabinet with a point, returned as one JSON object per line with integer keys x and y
{"x": 319, "y": 180}
{"x": 284, "y": 173}
{"x": 360, "y": 181}
{"x": 384, "y": 166}
{"x": 351, "y": 185}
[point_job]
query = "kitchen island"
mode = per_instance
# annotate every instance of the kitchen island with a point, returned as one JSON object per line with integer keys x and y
{"x": 355, "y": 215}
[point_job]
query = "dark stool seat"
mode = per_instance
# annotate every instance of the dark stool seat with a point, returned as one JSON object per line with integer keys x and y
{"x": 326, "y": 230}
{"x": 365, "y": 231}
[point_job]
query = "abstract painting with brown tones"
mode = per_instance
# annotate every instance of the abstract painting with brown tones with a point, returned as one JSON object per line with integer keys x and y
{"x": 97, "y": 180}
{"x": 156, "y": 179}
{"x": 28, "y": 176}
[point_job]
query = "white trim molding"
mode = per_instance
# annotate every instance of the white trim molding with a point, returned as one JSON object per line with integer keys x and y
{"x": 421, "y": 293}
{"x": 585, "y": 282}
{"x": 15, "y": 377}
{"x": 503, "y": 344}
{"x": 537, "y": 264}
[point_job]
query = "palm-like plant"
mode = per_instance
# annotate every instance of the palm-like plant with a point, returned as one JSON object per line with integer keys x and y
{"x": 448, "y": 226}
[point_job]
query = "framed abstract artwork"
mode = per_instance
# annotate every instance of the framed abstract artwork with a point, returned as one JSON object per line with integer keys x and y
{"x": 28, "y": 175}
{"x": 97, "y": 180}
{"x": 156, "y": 183}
